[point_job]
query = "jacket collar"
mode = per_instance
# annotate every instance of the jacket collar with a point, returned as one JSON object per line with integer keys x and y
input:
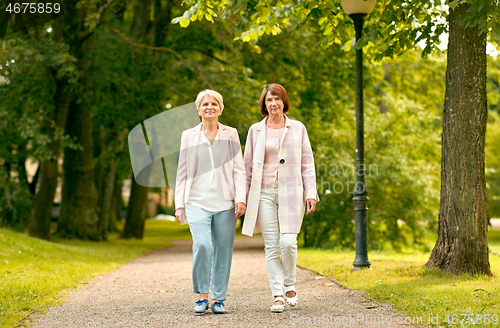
{"x": 262, "y": 124}
{"x": 220, "y": 126}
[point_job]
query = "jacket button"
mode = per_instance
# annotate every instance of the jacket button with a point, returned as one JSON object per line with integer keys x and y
{"x": 282, "y": 161}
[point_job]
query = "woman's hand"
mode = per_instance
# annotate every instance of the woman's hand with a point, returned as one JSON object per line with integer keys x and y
{"x": 240, "y": 209}
{"x": 180, "y": 215}
{"x": 310, "y": 205}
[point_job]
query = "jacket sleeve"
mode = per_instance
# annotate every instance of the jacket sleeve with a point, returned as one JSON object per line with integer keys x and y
{"x": 307, "y": 168}
{"x": 181, "y": 178}
{"x": 239, "y": 176}
{"x": 249, "y": 158}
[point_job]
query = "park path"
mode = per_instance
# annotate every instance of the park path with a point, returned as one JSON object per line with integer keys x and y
{"x": 155, "y": 290}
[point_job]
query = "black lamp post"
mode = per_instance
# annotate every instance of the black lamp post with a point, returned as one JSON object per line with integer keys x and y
{"x": 357, "y": 10}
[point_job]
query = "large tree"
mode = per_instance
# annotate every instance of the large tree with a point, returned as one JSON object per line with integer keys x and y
{"x": 73, "y": 32}
{"x": 462, "y": 244}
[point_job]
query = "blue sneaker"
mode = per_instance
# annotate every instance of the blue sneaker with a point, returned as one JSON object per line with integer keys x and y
{"x": 201, "y": 306}
{"x": 218, "y": 307}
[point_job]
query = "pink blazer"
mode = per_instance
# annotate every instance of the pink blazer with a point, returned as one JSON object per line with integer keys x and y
{"x": 296, "y": 175}
{"x": 233, "y": 169}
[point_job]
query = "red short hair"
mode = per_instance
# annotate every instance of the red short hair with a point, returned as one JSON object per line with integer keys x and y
{"x": 277, "y": 90}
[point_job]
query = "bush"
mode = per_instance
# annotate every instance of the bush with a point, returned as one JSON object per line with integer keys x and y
{"x": 402, "y": 178}
{"x": 493, "y": 165}
{"x": 15, "y": 203}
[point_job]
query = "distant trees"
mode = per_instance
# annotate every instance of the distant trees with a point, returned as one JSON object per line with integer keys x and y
{"x": 396, "y": 26}
{"x": 77, "y": 85}
{"x": 124, "y": 63}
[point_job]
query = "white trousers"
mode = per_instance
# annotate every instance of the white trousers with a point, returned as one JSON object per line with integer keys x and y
{"x": 279, "y": 270}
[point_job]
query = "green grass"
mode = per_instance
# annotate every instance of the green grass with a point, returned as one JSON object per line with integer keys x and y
{"x": 402, "y": 280}
{"x": 35, "y": 274}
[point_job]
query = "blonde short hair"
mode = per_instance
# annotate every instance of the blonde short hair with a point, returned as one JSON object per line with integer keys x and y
{"x": 211, "y": 93}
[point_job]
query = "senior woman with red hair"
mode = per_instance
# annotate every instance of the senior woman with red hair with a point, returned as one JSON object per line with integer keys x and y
{"x": 281, "y": 183}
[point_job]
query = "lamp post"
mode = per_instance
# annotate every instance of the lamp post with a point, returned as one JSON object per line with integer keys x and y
{"x": 357, "y": 10}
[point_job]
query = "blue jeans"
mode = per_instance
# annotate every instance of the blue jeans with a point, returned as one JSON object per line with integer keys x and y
{"x": 213, "y": 240}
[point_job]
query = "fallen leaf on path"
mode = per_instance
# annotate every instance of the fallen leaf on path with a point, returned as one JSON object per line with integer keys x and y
{"x": 163, "y": 291}
{"x": 372, "y": 307}
{"x": 329, "y": 284}
{"x": 319, "y": 278}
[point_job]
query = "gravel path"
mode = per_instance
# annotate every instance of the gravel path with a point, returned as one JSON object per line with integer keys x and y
{"x": 155, "y": 290}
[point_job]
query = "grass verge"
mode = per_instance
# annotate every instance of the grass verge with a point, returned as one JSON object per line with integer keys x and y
{"x": 402, "y": 280}
{"x": 35, "y": 273}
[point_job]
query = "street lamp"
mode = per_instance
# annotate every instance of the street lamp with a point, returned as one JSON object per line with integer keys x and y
{"x": 357, "y": 10}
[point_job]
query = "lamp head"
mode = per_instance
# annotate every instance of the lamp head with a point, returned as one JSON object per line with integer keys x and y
{"x": 357, "y": 6}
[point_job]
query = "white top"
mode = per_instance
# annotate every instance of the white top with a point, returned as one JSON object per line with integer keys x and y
{"x": 206, "y": 191}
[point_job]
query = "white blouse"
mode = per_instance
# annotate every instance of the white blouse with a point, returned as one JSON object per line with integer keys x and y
{"x": 206, "y": 191}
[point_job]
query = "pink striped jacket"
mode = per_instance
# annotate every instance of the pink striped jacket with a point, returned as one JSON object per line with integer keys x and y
{"x": 296, "y": 175}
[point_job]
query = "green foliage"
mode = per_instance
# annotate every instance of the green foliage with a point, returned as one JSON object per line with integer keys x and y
{"x": 402, "y": 167}
{"x": 403, "y": 181}
{"x": 395, "y": 25}
{"x": 126, "y": 84}
{"x": 492, "y": 160}
{"x": 402, "y": 147}
{"x": 15, "y": 202}
{"x": 25, "y": 106}
{"x": 402, "y": 122}
{"x": 493, "y": 165}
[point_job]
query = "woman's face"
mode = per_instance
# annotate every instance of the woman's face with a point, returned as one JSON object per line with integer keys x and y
{"x": 274, "y": 104}
{"x": 209, "y": 108}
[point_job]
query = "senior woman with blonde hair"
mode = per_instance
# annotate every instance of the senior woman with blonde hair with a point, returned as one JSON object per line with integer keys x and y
{"x": 281, "y": 183}
{"x": 210, "y": 192}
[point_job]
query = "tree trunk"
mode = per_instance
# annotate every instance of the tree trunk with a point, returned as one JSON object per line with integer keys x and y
{"x": 62, "y": 94}
{"x": 115, "y": 214}
{"x": 161, "y": 23}
{"x": 108, "y": 178}
{"x": 141, "y": 23}
{"x": 462, "y": 244}
{"x": 105, "y": 198}
{"x": 39, "y": 225}
{"x": 78, "y": 218}
{"x": 134, "y": 223}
